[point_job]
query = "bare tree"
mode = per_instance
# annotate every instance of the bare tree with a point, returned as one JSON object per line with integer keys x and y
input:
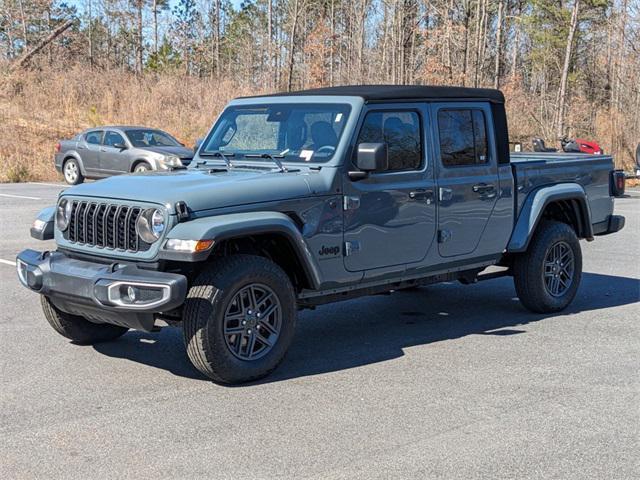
{"x": 562, "y": 92}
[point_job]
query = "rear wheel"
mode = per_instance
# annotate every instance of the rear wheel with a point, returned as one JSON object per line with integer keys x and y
{"x": 71, "y": 172}
{"x": 239, "y": 319}
{"x": 78, "y": 329}
{"x": 547, "y": 276}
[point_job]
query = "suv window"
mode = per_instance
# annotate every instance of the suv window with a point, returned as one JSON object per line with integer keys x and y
{"x": 463, "y": 137}
{"x": 401, "y": 131}
{"x": 94, "y": 138}
{"x": 113, "y": 138}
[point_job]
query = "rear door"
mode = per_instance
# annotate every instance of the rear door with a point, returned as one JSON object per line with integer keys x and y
{"x": 467, "y": 175}
{"x": 113, "y": 159}
{"x": 390, "y": 216}
{"x": 89, "y": 148}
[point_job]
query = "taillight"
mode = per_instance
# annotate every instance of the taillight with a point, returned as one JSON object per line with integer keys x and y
{"x": 617, "y": 183}
{"x": 58, "y": 147}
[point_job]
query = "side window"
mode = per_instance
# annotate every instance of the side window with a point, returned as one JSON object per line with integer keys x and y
{"x": 113, "y": 138}
{"x": 94, "y": 138}
{"x": 401, "y": 131}
{"x": 463, "y": 137}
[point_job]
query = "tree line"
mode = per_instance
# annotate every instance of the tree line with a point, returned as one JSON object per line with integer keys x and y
{"x": 569, "y": 66}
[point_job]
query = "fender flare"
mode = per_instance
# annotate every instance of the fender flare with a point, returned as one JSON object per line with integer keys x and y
{"x": 46, "y": 215}
{"x": 235, "y": 225}
{"x": 535, "y": 204}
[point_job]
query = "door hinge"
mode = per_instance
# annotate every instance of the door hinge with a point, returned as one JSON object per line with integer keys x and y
{"x": 444, "y": 236}
{"x": 351, "y": 248}
{"x": 351, "y": 202}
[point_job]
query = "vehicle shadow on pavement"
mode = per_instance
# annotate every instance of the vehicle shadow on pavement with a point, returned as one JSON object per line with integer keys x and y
{"x": 376, "y": 329}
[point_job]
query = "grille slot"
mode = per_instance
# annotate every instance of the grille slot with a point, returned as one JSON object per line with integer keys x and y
{"x": 105, "y": 226}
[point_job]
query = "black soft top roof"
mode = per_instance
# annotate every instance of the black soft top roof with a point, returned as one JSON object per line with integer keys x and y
{"x": 402, "y": 92}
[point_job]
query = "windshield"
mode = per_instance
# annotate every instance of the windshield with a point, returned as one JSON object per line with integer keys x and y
{"x": 293, "y": 132}
{"x": 151, "y": 138}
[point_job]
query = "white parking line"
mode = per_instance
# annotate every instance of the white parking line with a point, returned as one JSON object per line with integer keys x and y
{"x": 8, "y": 262}
{"x": 19, "y": 196}
{"x": 48, "y": 184}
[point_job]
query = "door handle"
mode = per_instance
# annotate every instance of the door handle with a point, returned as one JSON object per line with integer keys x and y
{"x": 483, "y": 187}
{"x": 422, "y": 194}
{"x": 445, "y": 194}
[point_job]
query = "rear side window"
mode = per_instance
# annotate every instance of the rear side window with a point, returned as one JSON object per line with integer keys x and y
{"x": 401, "y": 131}
{"x": 463, "y": 137}
{"x": 113, "y": 138}
{"x": 94, "y": 138}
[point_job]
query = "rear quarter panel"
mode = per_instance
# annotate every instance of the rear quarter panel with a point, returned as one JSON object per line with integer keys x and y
{"x": 535, "y": 170}
{"x": 67, "y": 149}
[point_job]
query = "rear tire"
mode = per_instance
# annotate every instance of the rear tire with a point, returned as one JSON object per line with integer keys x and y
{"x": 239, "y": 319}
{"x": 547, "y": 276}
{"x": 78, "y": 329}
{"x": 71, "y": 171}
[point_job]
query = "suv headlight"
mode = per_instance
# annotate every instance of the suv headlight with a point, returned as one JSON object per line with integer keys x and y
{"x": 150, "y": 225}
{"x": 63, "y": 214}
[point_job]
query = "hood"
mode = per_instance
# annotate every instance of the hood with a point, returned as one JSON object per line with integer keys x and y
{"x": 202, "y": 190}
{"x": 180, "y": 152}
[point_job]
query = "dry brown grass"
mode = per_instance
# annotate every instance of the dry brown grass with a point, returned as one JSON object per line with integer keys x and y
{"x": 37, "y": 108}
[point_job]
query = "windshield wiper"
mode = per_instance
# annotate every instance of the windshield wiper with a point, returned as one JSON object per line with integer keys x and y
{"x": 224, "y": 156}
{"x": 274, "y": 158}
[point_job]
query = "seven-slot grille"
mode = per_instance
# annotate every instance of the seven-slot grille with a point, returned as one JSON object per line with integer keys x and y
{"x": 105, "y": 225}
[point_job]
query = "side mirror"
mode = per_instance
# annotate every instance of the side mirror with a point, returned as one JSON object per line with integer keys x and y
{"x": 196, "y": 146}
{"x": 371, "y": 157}
{"x": 120, "y": 146}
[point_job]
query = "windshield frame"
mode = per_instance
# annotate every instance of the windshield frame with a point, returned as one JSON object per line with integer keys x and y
{"x": 353, "y": 104}
{"x": 162, "y": 132}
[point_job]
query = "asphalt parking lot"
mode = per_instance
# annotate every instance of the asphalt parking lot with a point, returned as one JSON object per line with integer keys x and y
{"x": 449, "y": 381}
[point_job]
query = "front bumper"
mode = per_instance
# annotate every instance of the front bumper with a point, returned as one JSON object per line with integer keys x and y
{"x": 118, "y": 293}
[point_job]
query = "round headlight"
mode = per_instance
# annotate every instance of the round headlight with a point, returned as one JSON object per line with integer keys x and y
{"x": 63, "y": 214}
{"x": 150, "y": 225}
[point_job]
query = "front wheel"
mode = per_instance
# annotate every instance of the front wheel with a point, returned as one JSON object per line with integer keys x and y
{"x": 547, "y": 276}
{"x": 78, "y": 329}
{"x": 239, "y": 319}
{"x": 142, "y": 167}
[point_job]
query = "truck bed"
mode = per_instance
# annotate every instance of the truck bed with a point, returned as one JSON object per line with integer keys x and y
{"x": 533, "y": 170}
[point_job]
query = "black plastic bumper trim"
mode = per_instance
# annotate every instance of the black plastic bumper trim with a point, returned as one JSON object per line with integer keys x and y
{"x": 78, "y": 286}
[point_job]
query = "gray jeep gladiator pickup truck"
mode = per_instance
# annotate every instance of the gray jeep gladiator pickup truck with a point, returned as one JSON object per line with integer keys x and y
{"x": 295, "y": 200}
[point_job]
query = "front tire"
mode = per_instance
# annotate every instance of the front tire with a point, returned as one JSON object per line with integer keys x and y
{"x": 142, "y": 167}
{"x": 72, "y": 173}
{"x": 78, "y": 329}
{"x": 239, "y": 319}
{"x": 547, "y": 276}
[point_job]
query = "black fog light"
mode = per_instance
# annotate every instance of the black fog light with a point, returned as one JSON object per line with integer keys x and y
{"x": 132, "y": 295}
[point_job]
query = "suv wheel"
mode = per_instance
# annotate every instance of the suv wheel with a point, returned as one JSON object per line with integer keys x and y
{"x": 547, "y": 276}
{"x": 239, "y": 319}
{"x": 72, "y": 173}
{"x": 78, "y": 329}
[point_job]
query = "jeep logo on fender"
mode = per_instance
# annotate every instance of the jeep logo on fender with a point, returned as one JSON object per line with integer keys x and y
{"x": 335, "y": 250}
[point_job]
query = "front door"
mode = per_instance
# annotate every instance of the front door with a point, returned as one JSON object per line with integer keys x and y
{"x": 113, "y": 159}
{"x": 467, "y": 175}
{"x": 389, "y": 216}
